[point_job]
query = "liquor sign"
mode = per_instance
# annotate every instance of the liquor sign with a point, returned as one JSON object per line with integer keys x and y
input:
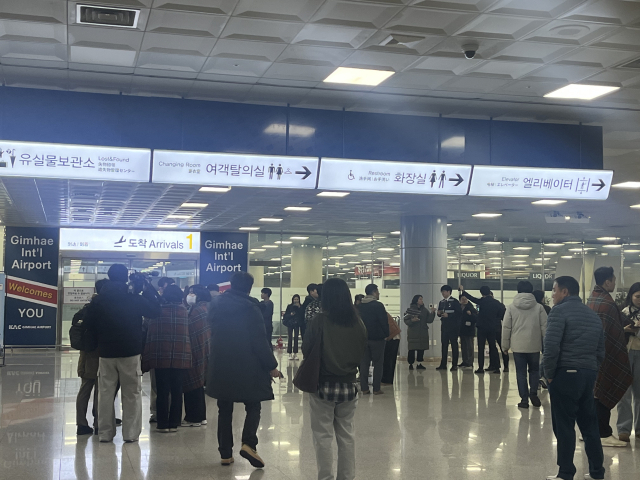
{"x": 394, "y": 177}
{"x": 78, "y": 162}
{"x": 553, "y": 183}
{"x": 143, "y": 241}
{"x": 31, "y": 258}
{"x": 196, "y": 168}
{"x": 222, "y": 255}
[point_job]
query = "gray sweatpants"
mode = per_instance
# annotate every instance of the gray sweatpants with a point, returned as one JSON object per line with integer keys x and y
{"x": 127, "y": 370}
{"x": 629, "y": 406}
{"x": 329, "y": 420}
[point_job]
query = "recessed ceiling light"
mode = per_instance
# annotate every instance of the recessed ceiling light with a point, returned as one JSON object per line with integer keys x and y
{"x": 635, "y": 206}
{"x": 518, "y": 261}
{"x": 467, "y": 246}
{"x": 628, "y": 185}
{"x": 486, "y": 215}
{"x": 522, "y": 248}
{"x": 358, "y": 76}
{"x": 632, "y": 251}
{"x": 271, "y": 219}
{"x": 394, "y": 264}
{"x": 548, "y": 202}
{"x": 470, "y": 254}
{"x": 283, "y": 242}
{"x": 386, "y": 249}
{"x": 449, "y": 224}
{"x": 519, "y": 256}
{"x": 554, "y": 244}
{"x": 193, "y": 205}
{"x": 571, "y": 243}
{"x": 350, "y": 255}
{"x": 258, "y": 249}
{"x": 364, "y": 239}
{"x": 612, "y": 246}
{"x": 581, "y": 92}
{"x": 607, "y": 239}
{"x": 249, "y": 229}
{"x": 566, "y": 256}
{"x": 269, "y": 246}
{"x": 298, "y": 209}
{"x": 299, "y": 238}
{"x": 397, "y": 232}
{"x": 366, "y": 253}
{"x": 215, "y": 189}
{"x": 333, "y": 194}
{"x": 167, "y": 226}
{"x": 494, "y": 251}
{"x": 346, "y": 244}
{"x": 473, "y": 234}
{"x": 178, "y": 216}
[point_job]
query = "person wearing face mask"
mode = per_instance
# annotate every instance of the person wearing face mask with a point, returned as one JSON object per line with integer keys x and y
{"x": 628, "y": 417}
{"x": 195, "y": 407}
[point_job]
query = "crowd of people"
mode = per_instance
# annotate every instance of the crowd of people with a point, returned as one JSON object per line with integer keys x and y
{"x": 199, "y": 343}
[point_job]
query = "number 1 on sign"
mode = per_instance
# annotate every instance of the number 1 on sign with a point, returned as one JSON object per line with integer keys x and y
{"x": 190, "y": 237}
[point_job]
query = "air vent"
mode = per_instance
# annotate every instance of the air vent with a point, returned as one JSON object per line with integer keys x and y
{"x": 110, "y": 17}
{"x": 634, "y": 64}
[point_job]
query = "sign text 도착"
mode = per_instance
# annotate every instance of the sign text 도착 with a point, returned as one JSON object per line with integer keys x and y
{"x": 129, "y": 240}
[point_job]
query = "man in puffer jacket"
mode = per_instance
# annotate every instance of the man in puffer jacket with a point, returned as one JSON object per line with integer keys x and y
{"x": 523, "y": 328}
{"x": 573, "y": 352}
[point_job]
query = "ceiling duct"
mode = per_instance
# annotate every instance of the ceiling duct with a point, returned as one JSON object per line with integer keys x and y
{"x": 106, "y": 16}
{"x": 404, "y": 40}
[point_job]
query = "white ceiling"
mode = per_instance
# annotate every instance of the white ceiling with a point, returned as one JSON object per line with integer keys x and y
{"x": 279, "y": 51}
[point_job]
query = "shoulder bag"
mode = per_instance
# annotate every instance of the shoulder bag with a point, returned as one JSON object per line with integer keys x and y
{"x": 308, "y": 375}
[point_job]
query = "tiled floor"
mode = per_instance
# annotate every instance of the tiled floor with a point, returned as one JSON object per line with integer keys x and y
{"x": 435, "y": 425}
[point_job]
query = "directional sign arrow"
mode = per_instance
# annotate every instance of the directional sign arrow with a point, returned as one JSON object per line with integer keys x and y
{"x": 306, "y": 173}
{"x": 458, "y": 180}
{"x": 600, "y": 185}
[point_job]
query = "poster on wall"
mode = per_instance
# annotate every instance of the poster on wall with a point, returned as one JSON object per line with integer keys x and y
{"x": 31, "y": 267}
{"x": 221, "y": 255}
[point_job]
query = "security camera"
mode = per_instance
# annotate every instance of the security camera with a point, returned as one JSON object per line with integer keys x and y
{"x": 470, "y": 50}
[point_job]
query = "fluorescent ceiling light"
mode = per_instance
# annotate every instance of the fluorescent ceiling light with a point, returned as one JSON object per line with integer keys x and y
{"x": 492, "y": 243}
{"x": 397, "y": 232}
{"x": 283, "y": 242}
{"x": 470, "y": 254}
{"x": 347, "y": 244}
{"x": 607, "y": 239}
{"x": 473, "y": 234}
{"x": 449, "y": 224}
{"x": 566, "y": 256}
{"x": 394, "y": 264}
{"x": 294, "y": 130}
{"x": 194, "y": 205}
{"x": 271, "y": 219}
{"x": 178, "y": 216}
{"x": 628, "y": 185}
{"x": 486, "y": 215}
{"x": 384, "y": 258}
{"x": 333, "y": 194}
{"x": 386, "y": 249}
{"x": 249, "y": 229}
{"x": 167, "y": 226}
{"x": 494, "y": 251}
{"x": 632, "y": 251}
{"x": 275, "y": 259}
{"x": 364, "y": 239}
{"x": 298, "y": 209}
{"x": 612, "y": 246}
{"x": 350, "y": 255}
{"x": 467, "y": 246}
{"x": 299, "y": 238}
{"x": 269, "y": 246}
{"x": 581, "y": 92}
{"x": 519, "y": 256}
{"x": 635, "y": 206}
{"x": 518, "y": 261}
{"x": 258, "y": 249}
{"x": 522, "y": 248}
{"x": 358, "y": 76}
{"x": 554, "y": 244}
{"x": 366, "y": 253}
{"x": 548, "y": 202}
{"x": 215, "y": 189}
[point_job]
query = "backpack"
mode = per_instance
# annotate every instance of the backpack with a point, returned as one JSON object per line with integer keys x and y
{"x": 80, "y": 337}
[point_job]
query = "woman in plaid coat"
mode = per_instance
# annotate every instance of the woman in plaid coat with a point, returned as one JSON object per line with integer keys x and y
{"x": 168, "y": 351}
{"x": 195, "y": 408}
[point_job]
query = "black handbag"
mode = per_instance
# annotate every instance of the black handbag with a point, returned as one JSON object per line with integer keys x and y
{"x": 308, "y": 375}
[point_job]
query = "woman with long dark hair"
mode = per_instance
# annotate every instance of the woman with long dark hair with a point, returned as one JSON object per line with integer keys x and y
{"x": 343, "y": 339}
{"x": 629, "y": 406}
{"x": 293, "y": 318}
{"x": 417, "y": 318}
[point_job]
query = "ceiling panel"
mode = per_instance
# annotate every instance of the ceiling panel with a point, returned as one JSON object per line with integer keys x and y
{"x": 428, "y": 22}
{"x": 185, "y": 23}
{"x": 354, "y": 14}
{"x": 566, "y": 32}
{"x": 615, "y": 12}
{"x": 500, "y": 27}
{"x": 290, "y": 10}
{"x": 311, "y": 55}
{"x": 220, "y": 7}
{"x": 332, "y": 36}
{"x": 39, "y": 11}
{"x": 261, "y": 30}
{"x": 32, "y": 32}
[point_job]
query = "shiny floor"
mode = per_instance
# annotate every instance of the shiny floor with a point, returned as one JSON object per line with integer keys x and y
{"x": 432, "y": 424}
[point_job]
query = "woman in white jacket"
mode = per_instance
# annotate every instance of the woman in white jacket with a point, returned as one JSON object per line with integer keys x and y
{"x": 523, "y": 329}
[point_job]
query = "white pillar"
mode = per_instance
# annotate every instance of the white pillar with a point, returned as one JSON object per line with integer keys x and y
{"x": 306, "y": 266}
{"x": 423, "y": 269}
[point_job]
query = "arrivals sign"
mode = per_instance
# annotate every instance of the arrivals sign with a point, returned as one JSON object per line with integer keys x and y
{"x": 78, "y": 162}
{"x": 31, "y": 266}
{"x": 554, "y": 183}
{"x": 196, "y": 168}
{"x": 222, "y": 255}
{"x": 394, "y": 177}
{"x": 141, "y": 241}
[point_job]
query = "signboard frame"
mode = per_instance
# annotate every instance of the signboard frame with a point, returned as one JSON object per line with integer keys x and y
{"x": 139, "y": 241}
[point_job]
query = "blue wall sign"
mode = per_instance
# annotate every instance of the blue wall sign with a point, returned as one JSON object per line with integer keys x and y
{"x": 221, "y": 255}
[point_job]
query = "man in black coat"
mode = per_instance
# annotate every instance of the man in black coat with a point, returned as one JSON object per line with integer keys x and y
{"x": 450, "y": 312}
{"x": 489, "y": 315}
{"x": 312, "y": 294}
{"x": 241, "y": 366}
{"x": 374, "y": 316}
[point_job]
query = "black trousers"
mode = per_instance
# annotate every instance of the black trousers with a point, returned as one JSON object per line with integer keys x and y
{"x": 505, "y": 356}
{"x": 269, "y": 329}
{"x": 225, "y": 427}
{"x": 572, "y": 401}
{"x": 411, "y": 357}
{"x": 169, "y": 383}
{"x": 303, "y": 328}
{"x": 293, "y": 340}
{"x": 390, "y": 357}
{"x": 195, "y": 406}
{"x": 485, "y": 336}
{"x": 604, "y": 420}
{"x": 449, "y": 335}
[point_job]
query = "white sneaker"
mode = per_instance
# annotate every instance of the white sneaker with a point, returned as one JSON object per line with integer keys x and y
{"x": 295, "y": 356}
{"x": 291, "y": 356}
{"x": 190, "y": 424}
{"x": 612, "y": 441}
{"x": 203, "y": 422}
